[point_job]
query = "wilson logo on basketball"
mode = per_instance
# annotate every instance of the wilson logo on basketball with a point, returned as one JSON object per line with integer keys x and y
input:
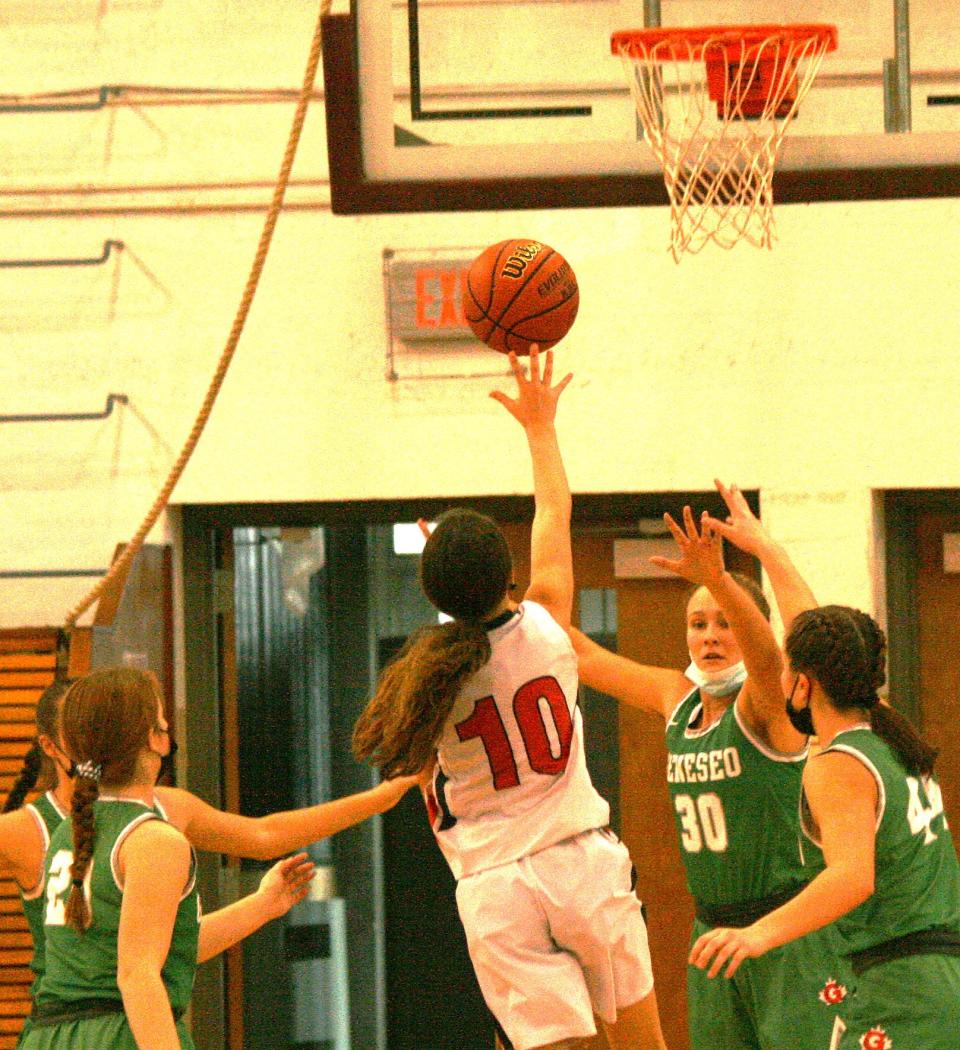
{"x": 517, "y": 261}
{"x": 832, "y": 993}
{"x": 876, "y": 1039}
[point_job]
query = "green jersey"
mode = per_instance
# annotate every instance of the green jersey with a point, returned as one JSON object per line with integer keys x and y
{"x": 49, "y": 816}
{"x": 917, "y": 874}
{"x": 84, "y": 966}
{"x": 736, "y": 804}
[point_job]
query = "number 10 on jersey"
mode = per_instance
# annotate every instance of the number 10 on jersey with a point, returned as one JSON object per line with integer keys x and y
{"x": 532, "y": 702}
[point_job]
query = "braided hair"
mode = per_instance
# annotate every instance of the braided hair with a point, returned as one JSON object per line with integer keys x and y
{"x": 106, "y": 717}
{"x": 465, "y": 572}
{"x": 844, "y": 649}
{"x": 36, "y": 764}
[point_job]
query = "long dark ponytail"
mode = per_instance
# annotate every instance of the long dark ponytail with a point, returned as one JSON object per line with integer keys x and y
{"x": 465, "y": 572}
{"x": 844, "y": 649}
{"x": 399, "y": 728}
{"x": 36, "y": 764}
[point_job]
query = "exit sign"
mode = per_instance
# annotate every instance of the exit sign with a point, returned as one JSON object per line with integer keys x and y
{"x": 427, "y": 333}
{"x": 425, "y": 293}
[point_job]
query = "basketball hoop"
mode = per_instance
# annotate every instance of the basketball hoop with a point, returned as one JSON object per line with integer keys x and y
{"x": 718, "y": 160}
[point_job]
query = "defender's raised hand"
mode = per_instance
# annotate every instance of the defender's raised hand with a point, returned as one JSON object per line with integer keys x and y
{"x": 742, "y": 527}
{"x": 701, "y": 557}
{"x": 745, "y": 530}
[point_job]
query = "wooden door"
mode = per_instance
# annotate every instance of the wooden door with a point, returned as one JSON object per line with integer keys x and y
{"x": 650, "y": 629}
{"x": 938, "y": 621}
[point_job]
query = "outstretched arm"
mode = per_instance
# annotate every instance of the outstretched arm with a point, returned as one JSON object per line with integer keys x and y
{"x": 551, "y": 559}
{"x": 655, "y": 689}
{"x": 701, "y": 562}
{"x": 764, "y": 709}
{"x": 743, "y": 529}
{"x": 263, "y": 838}
{"x": 843, "y": 799}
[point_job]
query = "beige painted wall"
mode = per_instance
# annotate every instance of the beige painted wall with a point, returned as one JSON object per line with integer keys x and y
{"x": 817, "y": 372}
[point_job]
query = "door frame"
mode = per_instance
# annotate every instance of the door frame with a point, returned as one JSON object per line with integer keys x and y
{"x": 902, "y": 509}
{"x": 207, "y": 719}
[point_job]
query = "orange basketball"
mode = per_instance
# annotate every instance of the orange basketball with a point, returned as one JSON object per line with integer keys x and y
{"x": 520, "y": 292}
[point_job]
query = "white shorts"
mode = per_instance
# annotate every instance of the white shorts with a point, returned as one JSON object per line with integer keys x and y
{"x": 557, "y": 937}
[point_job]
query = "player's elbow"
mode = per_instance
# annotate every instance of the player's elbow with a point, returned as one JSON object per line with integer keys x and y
{"x": 858, "y": 883}
{"x": 263, "y": 843}
{"x": 137, "y": 974}
{"x": 553, "y": 514}
{"x": 864, "y": 887}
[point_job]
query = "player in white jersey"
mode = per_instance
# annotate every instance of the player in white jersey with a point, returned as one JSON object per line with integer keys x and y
{"x": 544, "y": 891}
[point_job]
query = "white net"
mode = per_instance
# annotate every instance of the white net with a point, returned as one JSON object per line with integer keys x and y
{"x": 714, "y": 108}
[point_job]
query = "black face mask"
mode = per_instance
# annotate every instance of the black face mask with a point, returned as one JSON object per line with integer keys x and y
{"x": 166, "y": 761}
{"x": 801, "y": 720}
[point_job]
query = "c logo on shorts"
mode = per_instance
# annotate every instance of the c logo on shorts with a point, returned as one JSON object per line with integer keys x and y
{"x": 833, "y": 993}
{"x": 876, "y": 1039}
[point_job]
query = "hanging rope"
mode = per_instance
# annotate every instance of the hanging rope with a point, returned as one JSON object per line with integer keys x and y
{"x": 131, "y": 549}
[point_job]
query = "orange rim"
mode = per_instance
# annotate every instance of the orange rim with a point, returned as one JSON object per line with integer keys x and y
{"x": 731, "y": 38}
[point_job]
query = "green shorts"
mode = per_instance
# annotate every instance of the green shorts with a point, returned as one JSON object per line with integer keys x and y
{"x": 904, "y": 1004}
{"x": 787, "y": 999}
{"x": 109, "y": 1032}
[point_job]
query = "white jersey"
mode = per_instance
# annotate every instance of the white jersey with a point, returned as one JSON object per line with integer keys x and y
{"x": 511, "y": 775}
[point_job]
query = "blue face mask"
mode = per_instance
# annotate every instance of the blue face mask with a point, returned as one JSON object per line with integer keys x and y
{"x": 718, "y": 683}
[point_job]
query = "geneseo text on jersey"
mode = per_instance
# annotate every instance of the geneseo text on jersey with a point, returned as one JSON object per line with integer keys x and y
{"x": 703, "y": 766}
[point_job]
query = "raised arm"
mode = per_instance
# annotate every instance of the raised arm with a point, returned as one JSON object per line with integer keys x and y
{"x": 551, "y": 558}
{"x": 263, "y": 838}
{"x": 743, "y": 529}
{"x": 761, "y": 699}
{"x": 654, "y": 689}
{"x": 284, "y": 885}
{"x": 843, "y": 800}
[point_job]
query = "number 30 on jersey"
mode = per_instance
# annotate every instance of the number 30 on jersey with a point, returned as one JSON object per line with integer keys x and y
{"x": 702, "y": 821}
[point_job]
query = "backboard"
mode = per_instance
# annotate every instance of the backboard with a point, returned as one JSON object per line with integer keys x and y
{"x": 437, "y": 105}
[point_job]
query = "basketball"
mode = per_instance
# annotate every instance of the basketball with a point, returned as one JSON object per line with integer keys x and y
{"x": 520, "y": 292}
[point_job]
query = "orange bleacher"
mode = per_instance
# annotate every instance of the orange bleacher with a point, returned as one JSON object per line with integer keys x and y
{"x": 27, "y": 665}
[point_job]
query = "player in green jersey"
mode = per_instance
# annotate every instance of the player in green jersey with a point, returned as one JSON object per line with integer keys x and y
{"x": 121, "y": 915}
{"x": 25, "y": 831}
{"x": 886, "y": 869}
{"x": 734, "y": 769}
